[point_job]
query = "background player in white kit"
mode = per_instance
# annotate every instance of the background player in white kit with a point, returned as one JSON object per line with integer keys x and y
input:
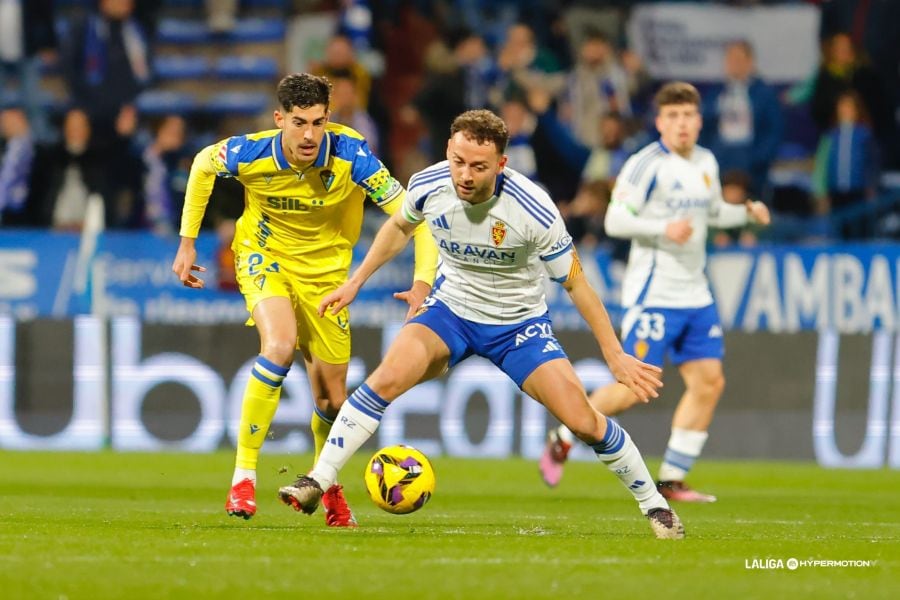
{"x": 497, "y": 232}
{"x": 665, "y": 197}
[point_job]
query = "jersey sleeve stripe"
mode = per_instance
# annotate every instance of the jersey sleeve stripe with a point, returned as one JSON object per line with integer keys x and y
{"x": 550, "y": 257}
{"x": 431, "y": 178}
{"x": 530, "y": 206}
{"x": 530, "y": 210}
{"x": 632, "y": 163}
{"x": 429, "y": 171}
{"x": 232, "y": 150}
{"x": 650, "y": 188}
{"x": 548, "y": 214}
{"x": 637, "y": 159}
{"x": 642, "y": 164}
{"x": 420, "y": 203}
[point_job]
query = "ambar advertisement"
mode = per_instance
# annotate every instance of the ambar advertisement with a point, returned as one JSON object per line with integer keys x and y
{"x": 90, "y": 383}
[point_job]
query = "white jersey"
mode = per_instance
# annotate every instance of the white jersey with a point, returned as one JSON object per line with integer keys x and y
{"x": 492, "y": 255}
{"x": 657, "y": 186}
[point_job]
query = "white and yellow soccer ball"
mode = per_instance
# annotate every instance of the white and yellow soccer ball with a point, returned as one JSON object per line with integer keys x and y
{"x": 399, "y": 479}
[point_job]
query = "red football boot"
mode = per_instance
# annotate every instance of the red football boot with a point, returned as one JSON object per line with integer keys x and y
{"x": 242, "y": 499}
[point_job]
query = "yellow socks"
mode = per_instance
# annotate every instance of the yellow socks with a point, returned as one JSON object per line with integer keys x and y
{"x": 258, "y": 409}
{"x": 320, "y": 425}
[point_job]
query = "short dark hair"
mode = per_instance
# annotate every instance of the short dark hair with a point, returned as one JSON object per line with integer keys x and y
{"x": 303, "y": 90}
{"x": 482, "y": 126}
{"x": 676, "y": 92}
{"x": 342, "y": 73}
{"x": 743, "y": 44}
{"x": 738, "y": 178}
{"x": 592, "y": 34}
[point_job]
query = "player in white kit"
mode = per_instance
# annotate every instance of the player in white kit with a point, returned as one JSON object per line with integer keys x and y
{"x": 497, "y": 233}
{"x": 664, "y": 199}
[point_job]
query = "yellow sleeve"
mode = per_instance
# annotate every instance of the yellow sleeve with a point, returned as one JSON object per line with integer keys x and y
{"x": 199, "y": 188}
{"x": 426, "y": 251}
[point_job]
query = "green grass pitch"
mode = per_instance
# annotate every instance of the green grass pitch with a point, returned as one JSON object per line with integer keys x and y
{"x": 109, "y": 525}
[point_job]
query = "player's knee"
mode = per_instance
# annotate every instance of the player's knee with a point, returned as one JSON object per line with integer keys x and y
{"x": 383, "y": 382}
{"x": 709, "y": 388}
{"x": 718, "y": 385}
{"x": 331, "y": 403}
{"x": 587, "y": 427}
{"x": 281, "y": 352}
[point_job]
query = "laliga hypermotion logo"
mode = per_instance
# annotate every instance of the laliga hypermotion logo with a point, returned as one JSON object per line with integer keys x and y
{"x": 498, "y": 232}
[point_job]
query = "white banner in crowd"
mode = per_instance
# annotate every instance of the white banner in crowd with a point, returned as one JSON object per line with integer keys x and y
{"x": 685, "y": 41}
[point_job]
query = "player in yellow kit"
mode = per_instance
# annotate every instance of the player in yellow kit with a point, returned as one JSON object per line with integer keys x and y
{"x": 305, "y": 183}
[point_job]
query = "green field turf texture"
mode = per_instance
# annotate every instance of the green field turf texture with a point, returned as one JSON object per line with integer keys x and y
{"x": 112, "y": 525}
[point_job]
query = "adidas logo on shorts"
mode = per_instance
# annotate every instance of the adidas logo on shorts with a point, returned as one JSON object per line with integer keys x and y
{"x": 551, "y": 346}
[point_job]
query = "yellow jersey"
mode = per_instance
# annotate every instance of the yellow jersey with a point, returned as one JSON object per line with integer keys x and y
{"x": 310, "y": 216}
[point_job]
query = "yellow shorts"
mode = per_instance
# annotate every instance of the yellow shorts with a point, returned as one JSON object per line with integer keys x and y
{"x": 260, "y": 277}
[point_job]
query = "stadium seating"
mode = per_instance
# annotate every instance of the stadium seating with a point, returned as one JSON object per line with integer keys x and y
{"x": 181, "y": 67}
{"x": 161, "y": 102}
{"x": 238, "y": 103}
{"x": 246, "y": 67}
{"x": 196, "y": 31}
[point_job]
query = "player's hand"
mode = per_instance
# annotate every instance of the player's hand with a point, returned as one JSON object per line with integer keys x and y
{"x": 339, "y": 298}
{"x": 414, "y": 296}
{"x": 639, "y": 377}
{"x": 185, "y": 263}
{"x": 679, "y": 231}
{"x": 758, "y": 212}
{"x": 539, "y": 100}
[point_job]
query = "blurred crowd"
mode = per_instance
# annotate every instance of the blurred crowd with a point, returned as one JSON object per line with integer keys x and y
{"x": 561, "y": 74}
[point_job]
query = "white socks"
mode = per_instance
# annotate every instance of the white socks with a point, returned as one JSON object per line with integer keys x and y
{"x": 357, "y": 420}
{"x": 242, "y": 474}
{"x": 623, "y": 458}
{"x": 685, "y": 446}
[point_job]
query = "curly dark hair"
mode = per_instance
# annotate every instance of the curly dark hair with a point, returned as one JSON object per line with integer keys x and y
{"x": 482, "y": 126}
{"x": 303, "y": 90}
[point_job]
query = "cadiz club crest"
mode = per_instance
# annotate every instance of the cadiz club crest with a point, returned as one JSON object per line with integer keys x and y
{"x": 498, "y": 232}
{"x": 327, "y": 177}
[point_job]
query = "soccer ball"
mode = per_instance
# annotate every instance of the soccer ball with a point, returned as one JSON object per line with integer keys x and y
{"x": 399, "y": 479}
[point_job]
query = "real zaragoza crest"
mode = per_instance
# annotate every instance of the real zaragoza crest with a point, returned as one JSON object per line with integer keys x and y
{"x": 498, "y": 232}
{"x": 641, "y": 347}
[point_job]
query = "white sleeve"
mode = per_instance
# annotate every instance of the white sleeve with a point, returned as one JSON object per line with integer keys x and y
{"x": 633, "y": 188}
{"x": 620, "y": 222}
{"x": 413, "y": 206}
{"x": 728, "y": 215}
{"x": 635, "y": 182}
{"x": 556, "y": 250}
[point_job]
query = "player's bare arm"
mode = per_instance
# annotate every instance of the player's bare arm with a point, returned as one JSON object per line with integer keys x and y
{"x": 391, "y": 239}
{"x": 425, "y": 250}
{"x": 758, "y": 213}
{"x": 185, "y": 263}
{"x": 641, "y": 378}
